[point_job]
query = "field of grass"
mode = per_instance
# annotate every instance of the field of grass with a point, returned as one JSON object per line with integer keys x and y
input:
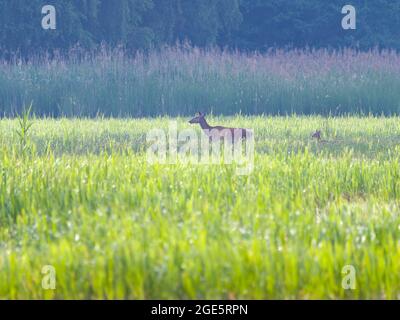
{"x": 183, "y": 80}
{"x": 79, "y": 195}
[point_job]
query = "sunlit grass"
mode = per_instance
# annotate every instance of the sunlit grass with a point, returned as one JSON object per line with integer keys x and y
{"x": 83, "y": 199}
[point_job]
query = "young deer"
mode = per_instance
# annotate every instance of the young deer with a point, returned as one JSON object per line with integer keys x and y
{"x": 219, "y": 130}
{"x": 317, "y": 135}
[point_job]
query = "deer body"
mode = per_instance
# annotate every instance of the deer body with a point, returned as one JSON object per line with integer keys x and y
{"x": 219, "y": 131}
{"x": 317, "y": 135}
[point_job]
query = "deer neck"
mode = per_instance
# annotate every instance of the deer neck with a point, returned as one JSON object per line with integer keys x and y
{"x": 204, "y": 125}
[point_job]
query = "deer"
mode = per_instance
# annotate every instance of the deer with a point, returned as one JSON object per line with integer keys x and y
{"x": 219, "y": 131}
{"x": 317, "y": 135}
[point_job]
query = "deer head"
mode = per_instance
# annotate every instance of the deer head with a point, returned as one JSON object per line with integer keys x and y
{"x": 317, "y": 135}
{"x": 198, "y": 118}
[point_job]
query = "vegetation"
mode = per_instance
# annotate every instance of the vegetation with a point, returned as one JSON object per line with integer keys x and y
{"x": 84, "y": 199}
{"x": 243, "y": 24}
{"x": 78, "y": 193}
{"x": 182, "y": 80}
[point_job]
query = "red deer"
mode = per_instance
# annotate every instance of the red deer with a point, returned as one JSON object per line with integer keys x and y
{"x": 317, "y": 135}
{"x": 219, "y": 130}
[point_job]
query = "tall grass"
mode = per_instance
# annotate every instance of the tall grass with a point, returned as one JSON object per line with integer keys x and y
{"x": 182, "y": 80}
{"x": 84, "y": 199}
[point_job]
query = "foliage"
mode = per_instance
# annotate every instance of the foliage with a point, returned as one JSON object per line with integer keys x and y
{"x": 113, "y": 226}
{"x": 25, "y": 124}
{"x": 182, "y": 80}
{"x": 244, "y": 24}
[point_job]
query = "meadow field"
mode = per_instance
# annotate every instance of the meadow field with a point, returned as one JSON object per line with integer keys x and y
{"x": 182, "y": 80}
{"x": 79, "y": 195}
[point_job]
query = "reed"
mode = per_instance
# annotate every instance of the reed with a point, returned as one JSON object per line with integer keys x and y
{"x": 182, "y": 80}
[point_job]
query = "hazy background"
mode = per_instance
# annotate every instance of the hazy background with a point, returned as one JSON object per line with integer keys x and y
{"x": 243, "y": 24}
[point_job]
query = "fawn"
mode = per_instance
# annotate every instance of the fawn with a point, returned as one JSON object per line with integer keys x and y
{"x": 317, "y": 135}
{"x": 219, "y": 130}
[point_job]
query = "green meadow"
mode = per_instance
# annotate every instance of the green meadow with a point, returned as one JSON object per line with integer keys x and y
{"x": 79, "y": 195}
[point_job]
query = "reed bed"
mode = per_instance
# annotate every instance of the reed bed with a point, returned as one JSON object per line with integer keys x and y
{"x": 182, "y": 80}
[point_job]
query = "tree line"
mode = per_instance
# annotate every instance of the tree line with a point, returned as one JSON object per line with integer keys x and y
{"x": 237, "y": 24}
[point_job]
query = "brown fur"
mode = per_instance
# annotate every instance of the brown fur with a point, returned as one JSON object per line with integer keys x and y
{"x": 317, "y": 135}
{"x": 200, "y": 119}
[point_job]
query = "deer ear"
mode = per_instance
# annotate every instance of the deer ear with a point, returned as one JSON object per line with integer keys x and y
{"x": 200, "y": 114}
